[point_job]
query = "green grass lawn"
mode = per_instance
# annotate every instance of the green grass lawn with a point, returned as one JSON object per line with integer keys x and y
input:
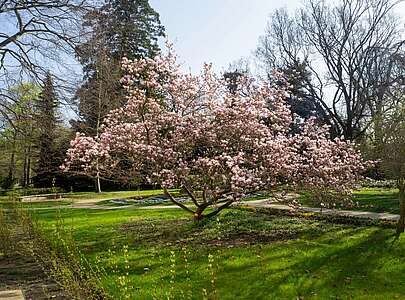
{"x": 70, "y": 198}
{"x": 110, "y": 195}
{"x": 150, "y": 195}
{"x": 97, "y": 196}
{"x": 377, "y": 200}
{"x": 254, "y": 255}
{"x": 367, "y": 199}
{"x": 42, "y": 204}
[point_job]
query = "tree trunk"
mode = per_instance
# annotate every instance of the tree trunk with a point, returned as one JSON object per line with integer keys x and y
{"x": 27, "y": 167}
{"x": 28, "y": 179}
{"x": 11, "y": 167}
{"x": 98, "y": 184}
{"x": 24, "y": 175}
{"x": 198, "y": 215}
{"x": 219, "y": 208}
{"x": 378, "y": 131}
{"x": 11, "y": 171}
{"x": 401, "y": 221}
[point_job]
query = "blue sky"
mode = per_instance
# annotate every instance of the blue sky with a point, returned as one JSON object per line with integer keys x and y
{"x": 219, "y": 31}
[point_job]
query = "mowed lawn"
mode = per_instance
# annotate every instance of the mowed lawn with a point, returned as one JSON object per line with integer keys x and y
{"x": 77, "y": 197}
{"x": 242, "y": 254}
{"x": 367, "y": 199}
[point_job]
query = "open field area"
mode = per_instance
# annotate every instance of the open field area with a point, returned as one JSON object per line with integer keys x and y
{"x": 380, "y": 200}
{"x": 243, "y": 254}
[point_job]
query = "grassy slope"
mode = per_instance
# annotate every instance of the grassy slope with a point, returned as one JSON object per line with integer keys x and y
{"x": 368, "y": 199}
{"x": 377, "y": 200}
{"x": 258, "y": 256}
{"x": 70, "y": 198}
{"x": 42, "y": 204}
{"x": 111, "y": 195}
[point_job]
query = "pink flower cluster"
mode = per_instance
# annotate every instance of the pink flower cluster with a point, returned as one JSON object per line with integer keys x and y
{"x": 189, "y": 130}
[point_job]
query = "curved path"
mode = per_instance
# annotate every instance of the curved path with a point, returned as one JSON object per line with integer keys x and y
{"x": 325, "y": 211}
{"x": 264, "y": 203}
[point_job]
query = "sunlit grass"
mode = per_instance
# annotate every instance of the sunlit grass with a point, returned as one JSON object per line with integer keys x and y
{"x": 367, "y": 199}
{"x": 259, "y": 256}
{"x": 43, "y": 204}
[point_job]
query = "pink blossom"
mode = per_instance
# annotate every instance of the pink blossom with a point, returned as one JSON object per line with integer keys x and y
{"x": 182, "y": 130}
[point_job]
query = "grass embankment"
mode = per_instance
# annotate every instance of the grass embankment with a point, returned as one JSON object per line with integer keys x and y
{"x": 71, "y": 198}
{"x": 239, "y": 255}
{"x": 110, "y": 195}
{"x": 42, "y": 204}
{"x": 367, "y": 199}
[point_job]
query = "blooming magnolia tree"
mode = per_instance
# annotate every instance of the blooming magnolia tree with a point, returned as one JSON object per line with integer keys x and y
{"x": 191, "y": 132}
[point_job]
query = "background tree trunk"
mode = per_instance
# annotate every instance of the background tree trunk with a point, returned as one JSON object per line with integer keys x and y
{"x": 11, "y": 167}
{"x": 24, "y": 175}
{"x": 401, "y": 222}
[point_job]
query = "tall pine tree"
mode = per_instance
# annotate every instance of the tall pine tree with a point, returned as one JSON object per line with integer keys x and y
{"x": 119, "y": 28}
{"x": 47, "y": 166}
{"x": 133, "y": 29}
{"x": 301, "y": 102}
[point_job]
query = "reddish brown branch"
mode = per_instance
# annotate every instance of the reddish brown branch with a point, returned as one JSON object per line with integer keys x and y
{"x": 193, "y": 198}
{"x": 178, "y": 203}
{"x": 227, "y": 204}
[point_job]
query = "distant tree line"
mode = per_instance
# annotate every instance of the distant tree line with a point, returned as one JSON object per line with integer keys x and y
{"x": 344, "y": 63}
{"x": 45, "y": 35}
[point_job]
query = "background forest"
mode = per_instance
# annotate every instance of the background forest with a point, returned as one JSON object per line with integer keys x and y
{"x": 344, "y": 62}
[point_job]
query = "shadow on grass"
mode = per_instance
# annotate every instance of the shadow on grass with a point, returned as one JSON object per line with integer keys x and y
{"x": 377, "y": 203}
{"x": 260, "y": 256}
{"x": 320, "y": 260}
{"x": 373, "y": 200}
{"x": 353, "y": 264}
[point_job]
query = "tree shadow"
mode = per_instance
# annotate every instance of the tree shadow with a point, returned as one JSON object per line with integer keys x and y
{"x": 354, "y": 261}
{"x": 387, "y": 202}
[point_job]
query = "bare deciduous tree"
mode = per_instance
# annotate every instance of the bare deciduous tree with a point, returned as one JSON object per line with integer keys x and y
{"x": 352, "y": 50}
{"x": 37, "y": 36}
{"x": 35, "y": 31}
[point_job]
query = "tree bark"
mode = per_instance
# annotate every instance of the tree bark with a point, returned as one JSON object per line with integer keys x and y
{"x": 401, "y": 221}
{"x": 24, "y": 176}
{"x": 28, "y": 180}
{"x": 27, "y": 167}
{"x": 198, "y": 213}
{"x": 11, "y": 168}
{"x": 215, "y": 212}
{"x": 177, "y": 203}
{"x": 98, "y": 182}
{"x": 11, "y": 171}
